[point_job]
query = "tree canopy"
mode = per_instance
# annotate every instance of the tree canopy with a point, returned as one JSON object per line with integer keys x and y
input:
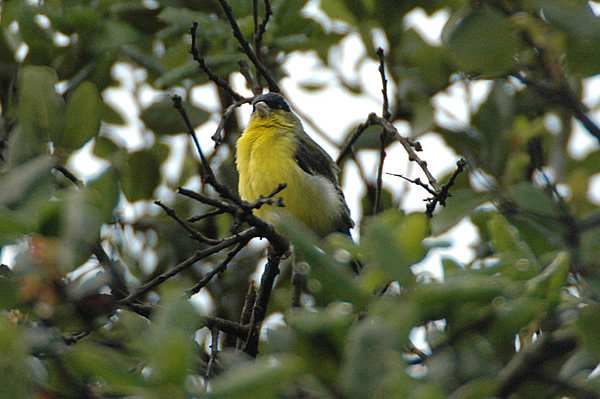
{"x": 148, "y": 282}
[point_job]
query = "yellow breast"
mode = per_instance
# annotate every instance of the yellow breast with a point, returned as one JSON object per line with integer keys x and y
{"x": 266, "y": 157}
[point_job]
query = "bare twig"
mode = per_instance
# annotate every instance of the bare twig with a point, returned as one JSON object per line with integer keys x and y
{"x": 297, "y": 284}
{"x": 117, "y": 284}
{"x": 562, "y": 94}
{"x": 383, "y": 135}
{"x": 259, "y": 310}
{"x": 201, "y": 254}
{"x": 213, "y": 213}
{"x": 416, "y": 181}
{"x": 227, "y": 326}
{"x": 246, "y": 315}
{"x": 214, "y": 350}
{"x": 526, "y": 364}
{"x": 217, "y": 137}
{"x": 219, "y": 269}
{"x": 211, "y": 75}
{"x": 245, "y": 47}
{"x": 442, "y": 195}
{"x": 410, "y": 147}
{"x": 69, "y": 175}
{"x": 208, "y": 176}
{"x": 347, "y": 147}
{"x": 193, "y": 233}
{"x": 259, "y": 31}
{"x": 243, "y": 211}
{"x": 386, "y": 104}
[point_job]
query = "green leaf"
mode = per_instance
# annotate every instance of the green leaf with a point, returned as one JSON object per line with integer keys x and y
{"x": 140, "y": 175}
{"x": 588, "y": 325}
{"x": 162, "y": 118}
{"x": 480, "y": 41}
{"x": 370, "y": 356}
{"x": 494, "y": 120}
{"x": 104, "y": 193}
{"x": 532, "y": 199}
{"x": 25, "y": 180}
{"x": 83, "y": 116}
{"x": 482, "y": 387}
{"x": 40, "y": 108}
{"x": 111, "y": 35}
{"x": 549, "y": 282}
{"x": 89, "y": 360}
{"x": 429, "y": 62}
{"x": 457, "y": 290}
{"x": 338, "y": 9}
{"x": 582, "y": 29}
{"x": 462, "y": 204}
{"x": 14, "y": 375}
{"x": 512, "y": 250}
{"x": 336, "y": 279}
{"x": 264, "y": 378}
{"x": 320, "y": 336}
{"x": 8, "y": 293}
{"x": 110, "y": 115}
{"x": 393, "y": 242}
{"x": 106, "y": 148}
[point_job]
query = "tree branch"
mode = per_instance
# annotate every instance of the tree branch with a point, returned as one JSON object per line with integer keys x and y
{"x": 526, "y": 364}
{"x": 245, "y": 47}
{"x": 211, "y": 75}
{"x": 201, "y": 254}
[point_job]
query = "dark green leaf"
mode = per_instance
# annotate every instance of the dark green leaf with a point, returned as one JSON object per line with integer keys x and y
{"x": 24, "y": 180}
{"x": 140, "y": 175}
{"x": 162, "y": 118}
{"x": 461, "y": 204}
{"x": 480, "y": 41}
{"x": 40, "y": 110}
{"x": 394, "y": 242}
{"x": 82, "y": 118}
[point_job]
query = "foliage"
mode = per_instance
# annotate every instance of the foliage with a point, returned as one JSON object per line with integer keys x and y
{"x": 91, "y": 306}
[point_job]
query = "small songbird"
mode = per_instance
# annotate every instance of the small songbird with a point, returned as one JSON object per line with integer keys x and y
{"x": 275, "y": 149}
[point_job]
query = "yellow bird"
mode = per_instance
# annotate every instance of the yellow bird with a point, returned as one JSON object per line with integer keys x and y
{"x": 275, "y": 149}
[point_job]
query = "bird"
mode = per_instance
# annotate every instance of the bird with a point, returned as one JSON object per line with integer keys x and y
{"x": 275, "y": 149}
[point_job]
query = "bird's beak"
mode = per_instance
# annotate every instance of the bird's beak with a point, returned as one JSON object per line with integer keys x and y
{"x": 261, "y": 109}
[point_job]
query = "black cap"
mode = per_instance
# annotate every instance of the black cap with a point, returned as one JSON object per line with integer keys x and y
{"x": 273, "y": 100}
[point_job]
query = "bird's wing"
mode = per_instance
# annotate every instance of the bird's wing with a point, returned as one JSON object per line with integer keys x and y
{"x": 315, "y": 161}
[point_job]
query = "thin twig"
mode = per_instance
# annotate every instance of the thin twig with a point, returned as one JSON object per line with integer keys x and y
{"x": 208, "y": 176}
{"x": 259, "y": 31}
{"x": 243, "y": 211}
{"x": 416, "y": 181}
{"x": 442, "y": 195}
{"x": 219, "y": 269}
{"x": 383, "y": 135}
{"x": 227, "y": 326}
{"x": 201, "y": 254}
{"x": 347, "y": 147}
{"x": 259, "y": 310}
{"x": 69, "y": 175}
{"x": 214, "y": 350}
{"x": 386, "y": 104}
{"x": 213, "y": 213}
{"x": 211, "y": 75}
{"x": 562, "y": 95}
{"x": 194, "y": 234}
{"x": 527, "y": 363}
{"x": 117, "y": 285}
{"x": 217, "y": 137}
{"x": 246, "y": 315}
{"x": 410, "y": 147}
{"x": 245, "y": 46}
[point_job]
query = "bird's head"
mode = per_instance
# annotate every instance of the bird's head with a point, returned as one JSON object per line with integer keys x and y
{"x": 265, "y": 105}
